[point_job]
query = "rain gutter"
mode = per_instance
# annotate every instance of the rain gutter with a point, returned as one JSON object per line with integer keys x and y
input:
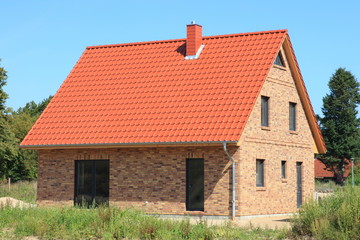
{"x": 233, "y": 213}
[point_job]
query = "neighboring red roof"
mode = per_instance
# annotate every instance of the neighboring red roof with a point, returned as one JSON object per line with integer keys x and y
{"x": 146, "y": 92}
{"x": 322, "y": 172}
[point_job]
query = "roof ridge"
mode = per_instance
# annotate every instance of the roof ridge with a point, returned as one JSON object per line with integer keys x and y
{"x": 247, "y": 33}
{"x": 184, "y": 39}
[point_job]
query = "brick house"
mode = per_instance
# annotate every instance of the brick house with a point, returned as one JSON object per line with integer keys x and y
{"x": 218, "y": 125}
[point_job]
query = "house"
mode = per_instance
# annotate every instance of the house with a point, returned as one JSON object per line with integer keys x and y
{"x": 216, "y": 126}
{"x": 322, "y": 172}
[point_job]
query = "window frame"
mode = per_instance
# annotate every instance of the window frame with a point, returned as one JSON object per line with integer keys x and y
{"x": 265, "y": 111}
{"x": 260, "y": 173}
{"x": 292, "y": 116}
{"x": 283, "y": 169}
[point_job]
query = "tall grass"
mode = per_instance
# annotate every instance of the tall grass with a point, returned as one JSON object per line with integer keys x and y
{"x": 106, "y": 223}
{"x": 334, "y": 217}
{"x": 25, "y": 191}
{"x": 326, "y": 186}
{"x": 113, "y": 223}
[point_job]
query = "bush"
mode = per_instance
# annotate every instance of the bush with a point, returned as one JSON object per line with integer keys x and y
{"x": 335, "y": 217}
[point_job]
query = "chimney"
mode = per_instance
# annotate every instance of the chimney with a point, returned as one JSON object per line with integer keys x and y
{"x": 193, "y": 40}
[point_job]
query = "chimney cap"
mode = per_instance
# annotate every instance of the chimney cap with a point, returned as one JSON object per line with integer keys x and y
{"x": 193, "y": 22}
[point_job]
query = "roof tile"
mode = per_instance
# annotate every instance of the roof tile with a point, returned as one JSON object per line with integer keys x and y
{"x": 147, "y": 92}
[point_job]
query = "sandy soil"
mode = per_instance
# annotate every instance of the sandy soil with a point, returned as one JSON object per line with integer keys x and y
{"x": 8, "y": 201}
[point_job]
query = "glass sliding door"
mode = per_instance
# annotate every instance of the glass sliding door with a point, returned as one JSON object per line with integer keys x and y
{"x": 91, "y": 182}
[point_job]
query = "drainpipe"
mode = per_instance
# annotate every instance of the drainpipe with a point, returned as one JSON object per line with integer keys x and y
{"x": 233, "y": 182}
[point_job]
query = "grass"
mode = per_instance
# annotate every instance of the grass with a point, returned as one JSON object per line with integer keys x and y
{"x": 24, "y": 191}
{"x": 326, "y": 186}
{"x": 114, "y": 223}
{"x": 107, "y": 223}
{"x": 335, "y": 217}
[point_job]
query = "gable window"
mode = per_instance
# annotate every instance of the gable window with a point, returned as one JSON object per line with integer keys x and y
{"x": 259, "y": 172}
{"x": 283, "y": 169}
{"x": 292, "y": 116}
{"x": 279, "y": 60}
{"x": 264, "y": 111}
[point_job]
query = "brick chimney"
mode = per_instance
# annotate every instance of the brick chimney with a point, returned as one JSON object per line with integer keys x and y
{"x": 193, "y": 39}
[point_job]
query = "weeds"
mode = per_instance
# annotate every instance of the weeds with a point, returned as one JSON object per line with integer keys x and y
{"x": 103, "y": 222}
{"x": 335, "y": 217}
{"x": 326, "y": 186}
{"x": 24, "y": 191}
{"x": 113, "y": 223}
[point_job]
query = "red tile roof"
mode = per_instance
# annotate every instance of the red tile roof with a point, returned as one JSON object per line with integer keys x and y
{"x": 322, "y": 172}
{"x": 148, "y": 93}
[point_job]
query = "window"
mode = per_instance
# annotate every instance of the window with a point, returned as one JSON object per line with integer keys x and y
{"x": 292, "y": 116}
{"x": 259, "y": 173}
{"x": 283, "y": 169}
{"x": 279, "y": 60}
{"x": 264, "y": 111}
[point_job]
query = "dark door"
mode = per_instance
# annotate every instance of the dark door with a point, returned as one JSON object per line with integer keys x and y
{"x": 299, "y": 184}
{"x": 195, "y": 184}
{"x": 92, "y": 182}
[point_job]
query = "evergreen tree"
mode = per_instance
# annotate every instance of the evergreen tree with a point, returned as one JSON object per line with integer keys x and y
{"x": 340, "y": 124}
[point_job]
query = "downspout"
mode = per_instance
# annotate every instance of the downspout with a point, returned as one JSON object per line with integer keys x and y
{"x": 233, "y": 215}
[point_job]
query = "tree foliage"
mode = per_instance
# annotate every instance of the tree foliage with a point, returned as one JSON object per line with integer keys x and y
{"x": 340, "y": 122}
{"x": 3, "y": 95}
{"x": 17, "y": 163}
{"x": 21, "y": 121}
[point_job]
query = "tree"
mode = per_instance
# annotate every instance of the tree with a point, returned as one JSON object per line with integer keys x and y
{"x": 21, "y": 121}
{"x": 3, "y": 95}
{"x": 340, "y": 124}
{"x": 16, "y": 163}
{"x": 8, "y": 150}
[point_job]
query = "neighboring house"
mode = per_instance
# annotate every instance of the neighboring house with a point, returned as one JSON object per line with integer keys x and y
{"x": 321, "y": 172}
{"x": 160, "y": 125}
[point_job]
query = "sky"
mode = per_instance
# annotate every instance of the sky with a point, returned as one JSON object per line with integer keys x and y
{"x": 41, "y": 40}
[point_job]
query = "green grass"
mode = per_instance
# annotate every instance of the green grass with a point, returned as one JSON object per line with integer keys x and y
{"x": 335, "y": 217}
{"x": 25, "y": 191}
{"x": 114, "y": 223}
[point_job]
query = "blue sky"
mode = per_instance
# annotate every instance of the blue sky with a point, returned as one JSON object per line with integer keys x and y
{"x": 41, "y": 40}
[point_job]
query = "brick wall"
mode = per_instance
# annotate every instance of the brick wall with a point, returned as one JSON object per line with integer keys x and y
{"x": 275, "y": 144}
{"x": 153, "y": 179}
